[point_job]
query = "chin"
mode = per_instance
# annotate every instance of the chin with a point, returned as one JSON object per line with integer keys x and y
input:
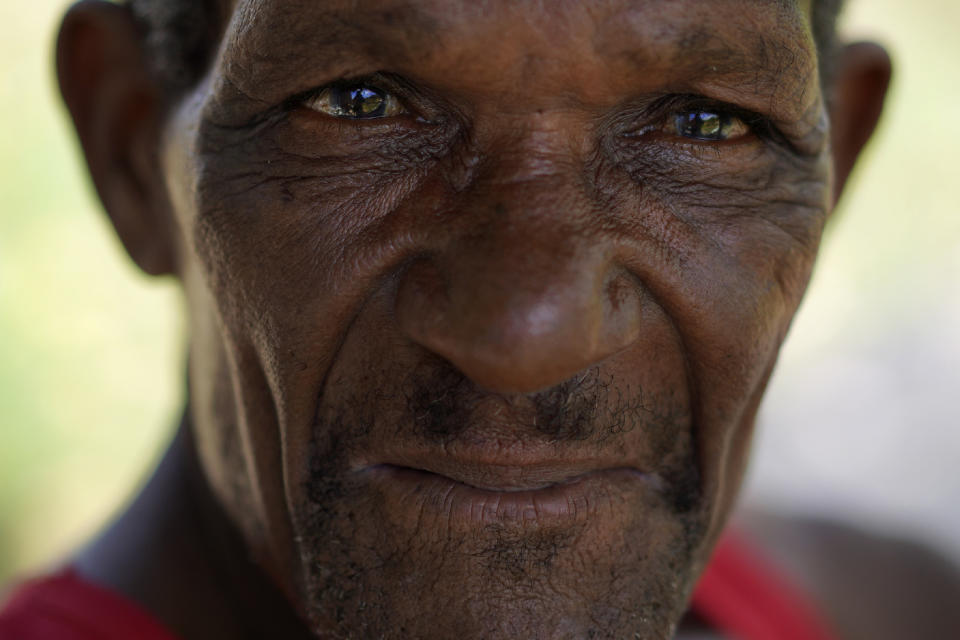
{"x": 499, "y": 582}
{"x": 391, "y": 552}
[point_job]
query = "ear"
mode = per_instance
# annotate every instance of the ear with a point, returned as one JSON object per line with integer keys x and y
{"x": 117, "y": 109}
{"x": 859, "y": 88}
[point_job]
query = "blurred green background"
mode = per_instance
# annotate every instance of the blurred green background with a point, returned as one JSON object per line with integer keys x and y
{"x": 91, "y": 350}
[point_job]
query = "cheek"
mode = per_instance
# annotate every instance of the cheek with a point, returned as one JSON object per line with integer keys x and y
{"x": 735, "y": 236}
{"x": 286, "y": 251}
{"x": 761, "y": 229}
{"x": 303, "y": 202}
{"x": 274, "y": 270}
{"x": 726, "y": 249}
{"x": 274, "y": 236}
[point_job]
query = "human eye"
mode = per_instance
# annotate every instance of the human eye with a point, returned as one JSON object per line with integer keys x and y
{"x": 707, "y": 125}
{"x": 355, "y": 100}
{"x": 699, "y": 120}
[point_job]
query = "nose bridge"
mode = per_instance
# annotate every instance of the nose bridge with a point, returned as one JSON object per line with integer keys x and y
{"x": 530, "y": 222}
{"x": 525, "y": 296}
{"x": 527, "y": 204}
{"x": 547, "y": 146}
{"x": 526, "y": 213}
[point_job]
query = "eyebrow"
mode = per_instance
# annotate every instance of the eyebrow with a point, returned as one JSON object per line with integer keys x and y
{"x": 771, "y": 64}
{"x": 778, "y": 60}
{"x": 331, "y": 30}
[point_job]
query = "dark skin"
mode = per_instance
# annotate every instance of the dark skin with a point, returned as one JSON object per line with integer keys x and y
{"x": 484, "y": 364}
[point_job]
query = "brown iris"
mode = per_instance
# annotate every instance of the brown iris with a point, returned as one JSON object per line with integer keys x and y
{"x": 355, "y": 102}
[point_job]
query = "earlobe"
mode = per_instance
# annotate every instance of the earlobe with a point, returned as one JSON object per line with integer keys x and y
{"x": 859, "y": 89}
{"x": 117, "y": 111}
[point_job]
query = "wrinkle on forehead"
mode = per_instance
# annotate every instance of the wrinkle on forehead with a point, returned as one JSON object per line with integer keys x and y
{"x": 743, "y": 31}
{"x": 764, "y": 42}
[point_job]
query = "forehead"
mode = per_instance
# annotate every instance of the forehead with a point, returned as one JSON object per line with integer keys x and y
{"x": 288, "y": 45}
{"x": 441, "y": 21}
{"x": 432, "y": 13}
{"x": 423, "y": 30}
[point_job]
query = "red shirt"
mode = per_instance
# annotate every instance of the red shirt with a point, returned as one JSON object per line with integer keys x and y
{"x": 66, "y": 607}
{"x": 739, "y": 594}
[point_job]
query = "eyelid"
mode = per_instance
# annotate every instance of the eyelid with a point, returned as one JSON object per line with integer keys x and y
{"x": 687, "y": 102}
{"x": 662, "y": 110}
{"x": 324, "y": 101}
{"x": 678, "y": 105}
{"x": 728, "y": 127}
{"x": 423, "y": 105}
{"x": 321, "y": 99}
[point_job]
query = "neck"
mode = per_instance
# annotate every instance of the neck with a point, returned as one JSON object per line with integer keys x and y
{"x": 175, "y": 553}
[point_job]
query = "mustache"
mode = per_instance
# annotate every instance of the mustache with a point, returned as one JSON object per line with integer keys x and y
{"x": 443, "y": 405}
{"x": 437, "y": 405}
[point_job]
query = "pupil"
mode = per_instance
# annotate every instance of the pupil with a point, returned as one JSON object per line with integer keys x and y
{"x": 702, "y": 125}
{"x": 362, "y": 102}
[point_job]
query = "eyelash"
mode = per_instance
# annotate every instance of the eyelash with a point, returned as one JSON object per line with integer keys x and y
{"x": 666, "y": 109}
{"x": 350, "y": 96}
{"x": 380, "y": 82}
{"x": 760, "y": 126}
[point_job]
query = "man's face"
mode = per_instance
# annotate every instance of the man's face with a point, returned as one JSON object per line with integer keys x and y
{"x": 484, "y": 362}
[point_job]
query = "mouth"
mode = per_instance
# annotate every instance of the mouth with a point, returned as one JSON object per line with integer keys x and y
{"x": 468, "y": 494}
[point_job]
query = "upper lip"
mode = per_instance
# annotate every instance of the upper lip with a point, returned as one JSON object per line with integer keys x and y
{"x": 500, "y": 470}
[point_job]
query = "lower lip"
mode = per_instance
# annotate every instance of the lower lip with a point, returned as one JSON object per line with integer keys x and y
{"x": 463, "y": 505}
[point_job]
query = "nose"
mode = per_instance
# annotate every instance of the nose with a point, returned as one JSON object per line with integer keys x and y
{"x": 522, "y": 304}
